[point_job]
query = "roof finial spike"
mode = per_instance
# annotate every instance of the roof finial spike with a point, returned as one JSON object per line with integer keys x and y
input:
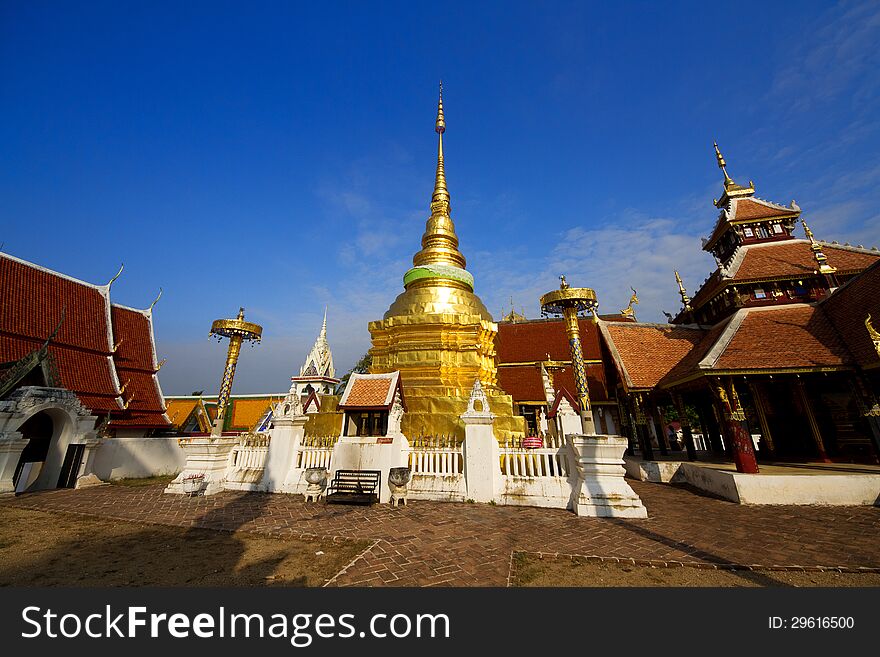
{"x": 112, "y": 280}
{"x": 324, "y": 324}
{"x": 685, "y": 299}
{"x": 721, "y": 163}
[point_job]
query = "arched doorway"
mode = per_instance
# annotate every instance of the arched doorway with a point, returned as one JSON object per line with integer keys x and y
{"x": 45, "y": 462}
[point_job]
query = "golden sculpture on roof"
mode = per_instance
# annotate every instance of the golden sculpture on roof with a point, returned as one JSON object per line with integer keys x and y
{"x": 629, "y": 311}
{"x": 873, "y": 334}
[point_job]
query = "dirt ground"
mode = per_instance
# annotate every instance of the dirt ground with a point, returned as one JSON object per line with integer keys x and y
{"x": 533, "y": 571}
{"x": 39, "y": 548}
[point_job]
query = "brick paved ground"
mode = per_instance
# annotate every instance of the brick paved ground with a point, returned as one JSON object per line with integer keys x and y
{"x": 433, "y": 543}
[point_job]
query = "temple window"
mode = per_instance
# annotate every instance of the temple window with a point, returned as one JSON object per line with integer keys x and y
{"x": 367, "y": 423}
{"x": 748, "y": 232}
{"x": 761, "y": 231}
{"x": 760, "y": 293}
{"x": 777, "y": 229}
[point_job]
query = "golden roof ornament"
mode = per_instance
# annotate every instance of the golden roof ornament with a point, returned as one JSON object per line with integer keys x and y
{"x": 629, "y": 311}
{"x": 731, "y": 189}
{"x": 685, "y": 299}
{"x": 818, "y": 255}
{"x": 873, "y": 334}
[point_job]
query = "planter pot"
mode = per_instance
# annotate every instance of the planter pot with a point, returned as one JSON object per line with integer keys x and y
{"x": 399, "y": 476}
{"x": 193, "y": 486}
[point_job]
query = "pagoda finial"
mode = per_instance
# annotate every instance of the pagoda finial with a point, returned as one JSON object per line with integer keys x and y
{"x": 324, "y": 325}
{"x": 441, "y": 193}
{"x": 722, "y": 164}
{"x": 685, "y": 299}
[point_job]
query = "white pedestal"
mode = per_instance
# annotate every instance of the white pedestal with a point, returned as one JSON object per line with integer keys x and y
{"x": 482, "y": 467}
{"x": 601, "y": 489}
{"x": 353, "y": 453}
{"x": 207, "y": 456}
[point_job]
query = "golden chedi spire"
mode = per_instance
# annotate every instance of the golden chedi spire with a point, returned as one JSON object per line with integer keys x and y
{"x": 437, "y": 333}
{"x": 438, "y": 282}
{"x": 440, "y": 256}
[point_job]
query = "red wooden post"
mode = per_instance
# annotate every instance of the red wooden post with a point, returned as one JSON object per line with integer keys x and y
{"x": 734, "y": 416}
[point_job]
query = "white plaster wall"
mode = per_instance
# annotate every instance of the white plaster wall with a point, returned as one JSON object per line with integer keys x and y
{"x": 441, "y": 488}
{"x": 828, "y": 489}
{"x": 552, "y": 492}
{"x": 120, "y": 458}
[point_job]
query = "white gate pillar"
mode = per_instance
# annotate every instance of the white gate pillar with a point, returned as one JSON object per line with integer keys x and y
{"x": 482, "y": 466}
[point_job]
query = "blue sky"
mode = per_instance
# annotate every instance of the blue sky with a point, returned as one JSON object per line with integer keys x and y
{"x": 280, "y": 156}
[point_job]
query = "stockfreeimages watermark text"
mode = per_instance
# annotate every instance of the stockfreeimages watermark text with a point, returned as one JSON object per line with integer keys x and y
{"x": 300, "y": 629}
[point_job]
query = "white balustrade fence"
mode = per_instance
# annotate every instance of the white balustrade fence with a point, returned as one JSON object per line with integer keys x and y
{"x": 550, "y": 461}
{"x": 250, "y": 453}
{"x": 316, "y": 452}
{"x": 436, "y": 455}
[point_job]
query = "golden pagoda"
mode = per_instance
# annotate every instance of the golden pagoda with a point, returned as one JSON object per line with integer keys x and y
{"x": 438, "y": 333}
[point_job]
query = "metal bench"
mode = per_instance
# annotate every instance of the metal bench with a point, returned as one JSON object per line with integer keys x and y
{"x": 354, "y": 487}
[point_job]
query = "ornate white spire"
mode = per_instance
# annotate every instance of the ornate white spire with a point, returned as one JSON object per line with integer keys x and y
{"x": 319, "y": 362}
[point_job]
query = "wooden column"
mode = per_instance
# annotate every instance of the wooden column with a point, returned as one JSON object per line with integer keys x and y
{"x": 686, "y": 432}
{"x": 642, "y": 429}
{"x": 658, "y": 428}
{"x": 811, "y": 418}
{"x": 760, "y": 409}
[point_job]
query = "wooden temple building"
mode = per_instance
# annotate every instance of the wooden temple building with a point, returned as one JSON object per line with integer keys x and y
{"x": 775, "y": 348}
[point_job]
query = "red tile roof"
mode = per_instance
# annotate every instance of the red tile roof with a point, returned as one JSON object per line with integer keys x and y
{"x": 746, "y": 210}
{"x": 848, "y": 308}
{"x": 33, "y": 301}
{"x": 531, "y": 341}
{"x": 645, "y": 353}
{"x": 524, "y": 384}
{"x": 781, "y": 338}
{"x": 136, "y": 367}
{"x": 750, "y": 208}
{"x": 526, "y": 342}
{"x": 369, "y": 392}
{"x": 794, "y": 258}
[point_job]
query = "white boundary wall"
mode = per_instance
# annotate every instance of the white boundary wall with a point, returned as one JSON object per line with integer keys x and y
{"x": 122, "y": 458}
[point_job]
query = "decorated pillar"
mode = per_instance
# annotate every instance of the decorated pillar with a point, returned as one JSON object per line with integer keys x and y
{"x": 238, "y": 331}
{"x": 569, "y": 301}
{"x": 734, "y": 417}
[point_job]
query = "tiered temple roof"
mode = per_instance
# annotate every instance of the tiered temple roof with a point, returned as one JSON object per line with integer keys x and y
{"x": 103, "y": 352}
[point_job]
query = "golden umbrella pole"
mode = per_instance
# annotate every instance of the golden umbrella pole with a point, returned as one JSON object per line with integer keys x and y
{"x": 238, "y": 331}
{"x": 569, "y": 301}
